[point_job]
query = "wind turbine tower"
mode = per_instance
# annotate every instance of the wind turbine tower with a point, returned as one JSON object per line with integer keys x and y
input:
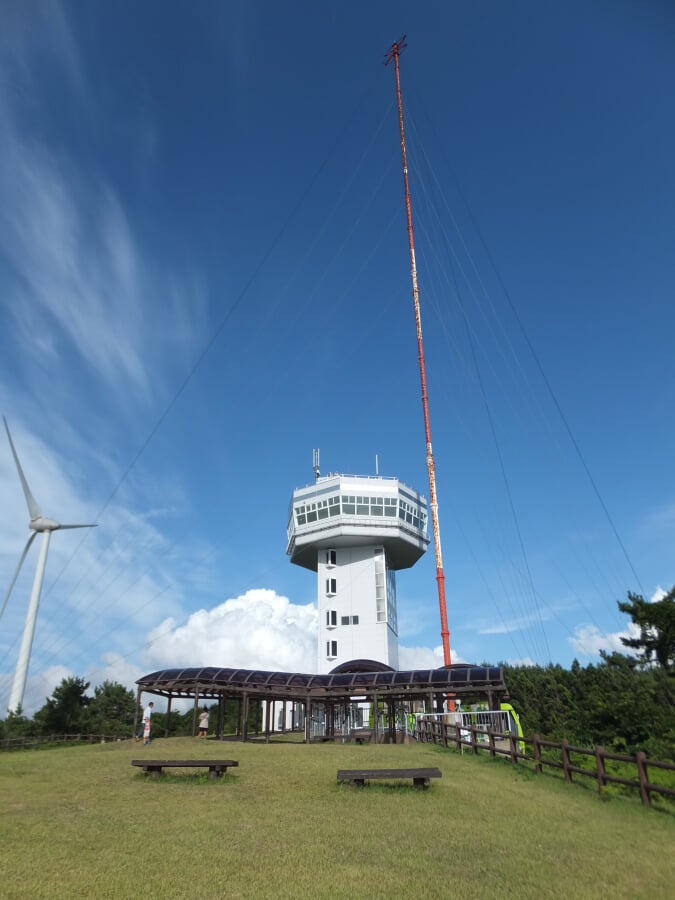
{"x": 39, "y": 524}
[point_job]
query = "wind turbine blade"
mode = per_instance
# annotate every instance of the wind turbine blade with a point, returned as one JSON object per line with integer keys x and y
{"x": 61, "y": 527}
{"x": 18, "y": 569}
{"x": 33, "y": 508}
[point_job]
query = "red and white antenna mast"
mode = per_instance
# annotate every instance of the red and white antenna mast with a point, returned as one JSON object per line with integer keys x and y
{"x": 393, "y": 53}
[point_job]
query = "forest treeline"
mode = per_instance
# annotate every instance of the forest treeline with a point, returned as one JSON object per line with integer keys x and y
{"x": 613, "y": 704}
{"x": 624, "y": 703}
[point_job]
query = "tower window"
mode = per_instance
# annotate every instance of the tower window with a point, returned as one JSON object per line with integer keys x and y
{"x": 331, "y": 557}
{"x": 331, "y": 649}
{"x": 331, "y": 618}
{"x": 331, "y": 587}
{"x": 380, "y": 594}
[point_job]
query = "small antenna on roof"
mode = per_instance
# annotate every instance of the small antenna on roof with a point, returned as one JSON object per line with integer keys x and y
{"x": 316, "y": 464}
{"x": 377, "y": 469}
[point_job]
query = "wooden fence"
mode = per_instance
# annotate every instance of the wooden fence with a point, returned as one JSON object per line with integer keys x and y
{"x": 37, "y": 741}
{"x": 497, "y": 743}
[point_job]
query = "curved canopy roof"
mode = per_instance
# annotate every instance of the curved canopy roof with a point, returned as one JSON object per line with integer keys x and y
{"x": 215, "y": 682}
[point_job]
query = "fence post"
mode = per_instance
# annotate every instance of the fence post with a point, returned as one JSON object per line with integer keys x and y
{"x": 491, "y": 741}
{"x": 536, "y": 752}
{"x": 512, "y": 746}
{"x": 641, "y": 760}
{"x": 445, "y": 734}
{"x": 565, "y": 747}
{"x": 474, "y": 740}
{"x": 458, "y": 738}
{"x": 600, "y": 763}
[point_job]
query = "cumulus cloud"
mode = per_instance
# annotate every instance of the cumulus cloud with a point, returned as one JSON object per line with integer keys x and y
{"x": 39, "y": 687}
{"x": 258, "y": 629}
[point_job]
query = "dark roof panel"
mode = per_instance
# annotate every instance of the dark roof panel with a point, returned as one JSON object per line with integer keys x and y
{"x": 348, "y": 679}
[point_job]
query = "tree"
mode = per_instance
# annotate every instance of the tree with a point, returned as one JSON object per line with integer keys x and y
{"x": 16, "y": 725}
{"x": 656, "y": 622}
{"x": 63, "y": 711}
{"x": 111, "y": 709}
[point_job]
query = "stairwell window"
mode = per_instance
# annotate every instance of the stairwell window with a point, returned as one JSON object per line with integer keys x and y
{"x": 331, "y": 649}
{"x": 380, "y": 595}
{"x": 331, "y": 587}
{"x": 331, "y": 558}
{"x": 331, "y": 618}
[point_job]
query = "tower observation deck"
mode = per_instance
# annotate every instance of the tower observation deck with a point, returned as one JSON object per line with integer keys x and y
{"x": 355, "y": 532}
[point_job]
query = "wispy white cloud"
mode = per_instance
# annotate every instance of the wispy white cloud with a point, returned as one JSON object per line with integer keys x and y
{"x": 519, "y": 623}
{"x": 40, "y": 26}
{"x": 658, "y": 595}
{"x": 660, "y": 520}
{"x": 588, "y": 640}
{"x": 522, "y": 661}
{"x": 424, "y": 657}
{"x": 115, "y": 667}
{"x": 79, "y": 281}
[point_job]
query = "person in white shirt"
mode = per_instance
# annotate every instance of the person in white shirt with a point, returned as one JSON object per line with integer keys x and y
{"x": 147, "y": 714}
{"x": 204, "y": 723}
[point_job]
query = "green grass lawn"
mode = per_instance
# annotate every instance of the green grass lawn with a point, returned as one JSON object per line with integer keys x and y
{"x": 80, "y": 821}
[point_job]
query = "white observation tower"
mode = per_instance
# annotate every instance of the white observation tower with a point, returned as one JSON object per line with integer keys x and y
{"x": 355, "y": 532}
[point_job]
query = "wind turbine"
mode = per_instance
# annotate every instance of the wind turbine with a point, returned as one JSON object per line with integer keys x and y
{"x": 38, "y": 524}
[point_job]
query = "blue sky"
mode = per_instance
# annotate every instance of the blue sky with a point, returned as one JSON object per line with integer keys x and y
{"x": 204, "y": 275}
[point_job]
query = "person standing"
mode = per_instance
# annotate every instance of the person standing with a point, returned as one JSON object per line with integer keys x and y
{"x": 204, "y": 723}
{"x": 147, "y": 715}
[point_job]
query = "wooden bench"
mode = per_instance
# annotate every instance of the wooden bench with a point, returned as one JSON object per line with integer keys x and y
{"x": 359, "y": 777}
{"x": 154, "y": 767}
